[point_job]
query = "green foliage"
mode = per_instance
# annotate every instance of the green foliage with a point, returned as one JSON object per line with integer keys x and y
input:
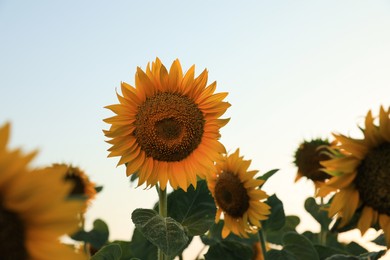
{"x": 299, "y": 246}
{"x": 318, "y": 213}
{"x": 166, "y": 233}
{"x": 280, "y": 255}
{"x": 98, "y": 189}
{"x": 275, "y": 236}
{"x": 380, "y": 240}
{"x": 97, "y": 237}
{"x": 232, "y": 247}
{"x": 229, "y": 250}
{"x": 108, "y": 252}
{"x": 366, "y": 256}
{"x": 194, "y": 209}
{"x": 141, "y": 247}
{"x": 267, "y": 175}
{"x": 277, "y": 219}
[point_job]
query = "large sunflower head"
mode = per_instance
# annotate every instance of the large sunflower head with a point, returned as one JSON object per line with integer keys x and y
{"x": 166, "y": 128}
{"x": 34, "y": 212}
{"x": 237, "y": 196}
{"x": 83, "y": 187}
{"x": 362, "y": 176}
{"x": 308, "y": 157}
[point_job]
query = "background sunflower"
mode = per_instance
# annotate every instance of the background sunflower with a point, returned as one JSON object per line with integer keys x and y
{"x": 237, "y": 196}
{"x": 362, "y": 176}
{"x": 34, "y": 212}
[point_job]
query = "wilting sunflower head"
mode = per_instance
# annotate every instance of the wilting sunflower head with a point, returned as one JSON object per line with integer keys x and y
{"x": 166, "y": 128}
{"x": 34, "y": 212}
{"x": 308, "y": 157}
{"x": 238, "y": 196}
{"x": 82, "y": 186}
{"x": 362, "y": 176}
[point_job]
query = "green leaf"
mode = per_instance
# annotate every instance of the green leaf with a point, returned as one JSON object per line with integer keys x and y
{"x": 290, "y": 225}
{"x": 299, "y": 246}
{"x": 267, "y": 175}
{"x": 194, "y": 209}
{"x": 276, "y": 220}
{"x": 229, "y": 250}
{"x": 354, "y": 248}
{"x": 126, "y": 249}
{"x": 325, "y": 251}
{"x": 98, "y": 189}
{"x": 109, "y": 252}
{"x": 372, "y": 255}
{"x": 342, "y": 257}
{"x": 97, "y": 237}
{"x": 141, "y": 247}
{"x": 380, "y": 240}
{"x": 318, "y": 214}
{"x": 166, "y": 233}
{"x": 280, "y": 255}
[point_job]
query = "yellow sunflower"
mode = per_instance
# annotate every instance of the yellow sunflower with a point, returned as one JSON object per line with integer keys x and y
{"x": 34, "y": 212}
{"x": 166, "y": 128}
{"x": 362, "y": 176}
{"x": 237, "y": 196}
{"x": 307, "y": 159}
{"x": 82, "y": 186}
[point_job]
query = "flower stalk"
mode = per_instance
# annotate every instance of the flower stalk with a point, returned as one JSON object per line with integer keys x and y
{"x": 263, "y": 241}
{"x": 163, "y": 211}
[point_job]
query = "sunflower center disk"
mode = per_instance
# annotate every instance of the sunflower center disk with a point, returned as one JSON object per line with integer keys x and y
{"x": 231, "y": 195}
{"x": 308, "y": 159}
{"x": 11, "y": 236}
{"x": 373, "y": 179}
{"x": 79, "y": 187}
{"x": 169, "y": 127}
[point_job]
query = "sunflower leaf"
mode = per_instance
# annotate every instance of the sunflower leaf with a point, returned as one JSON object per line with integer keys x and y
{"x": 229, "y": 250}
{"x": 194, "y": 209}
{"x": 277, "y": 218}
{"x": 280, "y": 255}
{"x": 275, "y": 237}
{"x": 267, "y": 175}
{"x": 97, "y": 237}
{"x": 317, "y": 213}
{"x": 299, "y": 246}
{"x": 165, "y": 233}
{"x": 366, "y": 256}
{"x": 108, "y": 252}
{"x": 98, "y": 189}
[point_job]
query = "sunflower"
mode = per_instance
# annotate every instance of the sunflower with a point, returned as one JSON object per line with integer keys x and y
{"x": 307, "y": 159}
{"x": 237, "y": 195}
{"x": 82, "y": 186}
{"x": 166, "y": 128}
{"x": 34, "y": 212}
{"x": 362, "y": 176}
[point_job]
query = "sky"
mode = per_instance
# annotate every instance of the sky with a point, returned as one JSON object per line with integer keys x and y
{"x": 294, "y": 70}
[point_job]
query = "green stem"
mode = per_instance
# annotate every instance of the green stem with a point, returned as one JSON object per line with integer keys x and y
{"x": 163, "y": 211}
{"x": 262, "y": 243}
{"x": 323, "y": 233}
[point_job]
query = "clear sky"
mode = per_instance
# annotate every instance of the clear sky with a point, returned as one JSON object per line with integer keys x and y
{"x": 294, "y": 70}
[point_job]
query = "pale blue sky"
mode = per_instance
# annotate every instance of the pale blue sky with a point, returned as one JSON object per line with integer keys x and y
{"x": 294, "y": 70}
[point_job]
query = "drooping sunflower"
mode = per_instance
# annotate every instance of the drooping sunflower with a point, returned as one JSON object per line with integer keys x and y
{"x": 82, "y": 186}
{"x": 34, "y": 212}
{"x": 307, "y": 159}
{"x": 362, "y": 176}
{"x": 237, "y": 195}
{"x": 166, "y": 128}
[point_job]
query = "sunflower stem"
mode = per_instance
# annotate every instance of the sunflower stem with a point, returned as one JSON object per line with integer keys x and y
{"x": 263, "y": 243}
{"x": 163, "y": 211}
{"x": 323, "y": 233}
